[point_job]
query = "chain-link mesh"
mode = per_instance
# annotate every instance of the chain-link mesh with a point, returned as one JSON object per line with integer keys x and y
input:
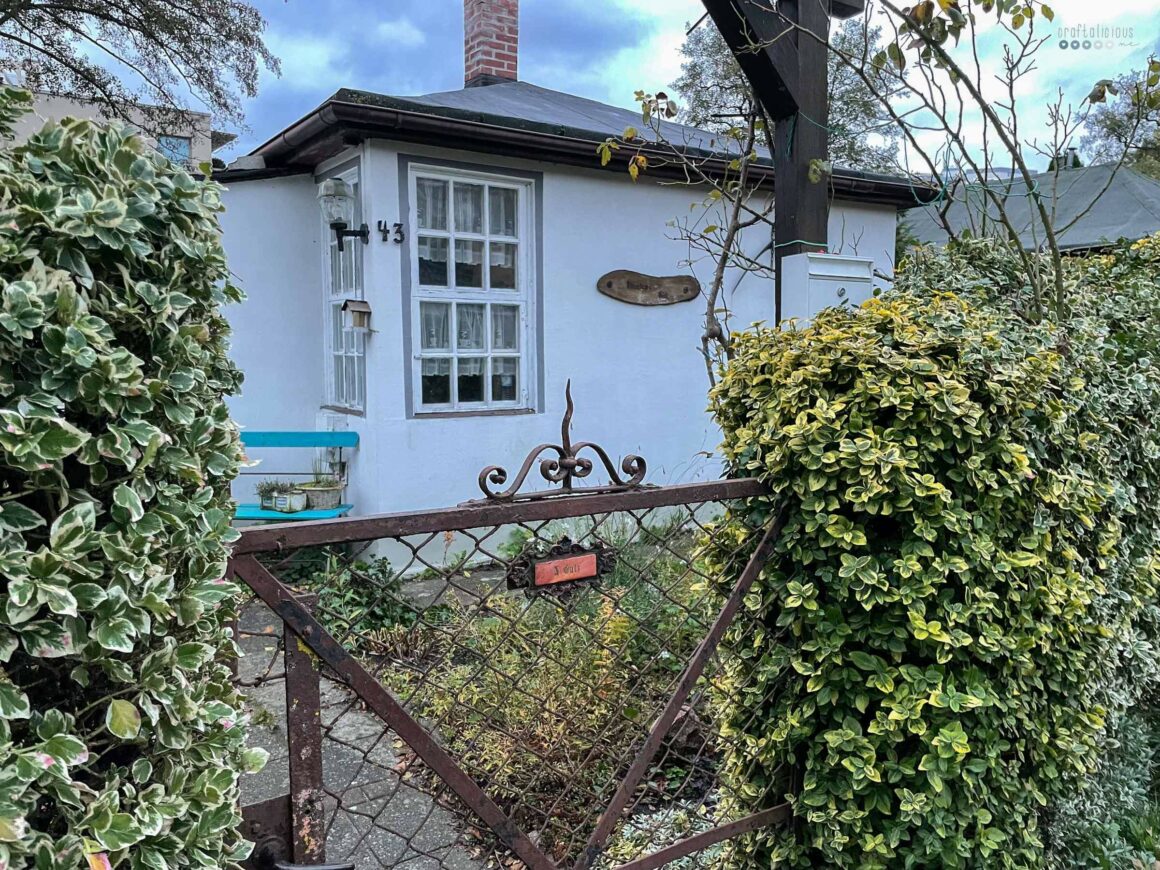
{"x": 543, "y": 695}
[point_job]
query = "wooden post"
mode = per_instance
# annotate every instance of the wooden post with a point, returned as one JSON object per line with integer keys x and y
{"x": 802, "y": 207}
{"x": 789, "y": 74}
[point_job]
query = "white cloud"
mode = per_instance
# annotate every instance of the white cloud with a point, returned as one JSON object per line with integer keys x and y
{"x": 400, "y": 32}
{"x": 1072, "y": 70}
{"x": 309, "y": 62}
{"x": 652, "y": 64}
{"x": 669, "y": 10}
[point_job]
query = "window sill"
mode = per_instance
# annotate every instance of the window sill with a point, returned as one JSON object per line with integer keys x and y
{"x": 483, "y": 412}
{"x": 338, "y": 409}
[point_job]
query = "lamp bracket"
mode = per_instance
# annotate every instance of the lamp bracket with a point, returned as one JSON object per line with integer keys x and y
{"x": 341, "y": 232}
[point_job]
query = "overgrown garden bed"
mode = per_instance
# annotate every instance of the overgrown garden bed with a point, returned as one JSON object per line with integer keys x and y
{"x": 544, "y": 699}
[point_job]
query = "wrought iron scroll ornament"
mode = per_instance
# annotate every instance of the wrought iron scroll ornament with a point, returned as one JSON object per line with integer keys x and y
{"x": 564, "y": 468}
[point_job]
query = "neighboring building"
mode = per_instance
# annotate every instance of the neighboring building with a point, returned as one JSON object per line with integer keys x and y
{"x": 491, "y": 221}
{"x": 1092, "y": 207}
{"x": 189, "y": 138}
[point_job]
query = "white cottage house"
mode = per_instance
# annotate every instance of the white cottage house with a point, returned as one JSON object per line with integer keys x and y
{"x": 490, "y": 221}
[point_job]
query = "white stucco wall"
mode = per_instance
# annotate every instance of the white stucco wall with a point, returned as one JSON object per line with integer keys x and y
{"x": 271, "y": 234}
{"x": 638, "y": 378}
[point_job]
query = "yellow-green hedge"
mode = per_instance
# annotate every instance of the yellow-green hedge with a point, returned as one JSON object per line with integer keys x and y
{"x": 960, "y": 608}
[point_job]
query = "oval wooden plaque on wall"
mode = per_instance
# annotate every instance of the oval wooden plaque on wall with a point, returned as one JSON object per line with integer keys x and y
{"x": 636, "y": 288}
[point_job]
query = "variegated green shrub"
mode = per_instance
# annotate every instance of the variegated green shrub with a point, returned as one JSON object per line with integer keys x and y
{"x": 121, "y": 739}
{"x": 962, "y": 606}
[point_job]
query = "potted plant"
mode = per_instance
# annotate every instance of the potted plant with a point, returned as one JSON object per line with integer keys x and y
{"x": 324, "y": 492}
{"x": 267, "y": 489}
{"x": 288, "y": 498}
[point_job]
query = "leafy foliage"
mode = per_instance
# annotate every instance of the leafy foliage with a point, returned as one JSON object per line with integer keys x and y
{"x": 120, "y": 54}
{"x": 496, "y": 692}
{"x": 360, "y": 600}
{"x": 655, "y": 831}
{"x": 962, "y": 605}
{"x": 1129, "y": 125}
{"x": 120, "y": 734}
{"x": 1115, "y": 820}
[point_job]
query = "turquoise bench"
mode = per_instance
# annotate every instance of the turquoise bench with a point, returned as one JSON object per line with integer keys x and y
{"x": 300, "y": 440}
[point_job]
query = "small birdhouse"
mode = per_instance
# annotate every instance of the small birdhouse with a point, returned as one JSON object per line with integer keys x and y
{"x": 356, "y": 315}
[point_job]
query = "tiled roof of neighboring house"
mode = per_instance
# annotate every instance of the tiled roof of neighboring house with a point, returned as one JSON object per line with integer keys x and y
{"x": 1126, "y": 205}
{"x": 518, "y": 119}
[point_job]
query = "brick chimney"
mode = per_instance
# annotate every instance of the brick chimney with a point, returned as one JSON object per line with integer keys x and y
{"x": 491, "y": 41}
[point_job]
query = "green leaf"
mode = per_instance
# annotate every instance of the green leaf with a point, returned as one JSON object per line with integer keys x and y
{"x": 115, "y": 634}
{"x": 13, "y": 829}
{"x": 142, "y": 770}
{"x": 66, "y": 748}
{"x": 13, "y": 702}
{"x": 125, "y": 498}
{"x": 123, "y": 719}
{"x": 121, "y": 832}
{"x": 192, "y": 656}
{"x": 254, "y": 758}
{"x": 58, "y": 598}
{"x": 61, "y": 440}
{"x": 17, "y": 518}
{"x": 72, "y": 528}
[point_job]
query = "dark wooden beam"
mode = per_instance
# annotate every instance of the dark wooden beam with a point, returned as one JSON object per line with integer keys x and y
{"x": 765, "y": 49}
{"x": 789, "y": 77}
{"x": 802, "y": 206}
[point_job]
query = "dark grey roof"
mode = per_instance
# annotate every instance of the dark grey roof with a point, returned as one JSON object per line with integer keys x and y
{"x": 551, "y": 111}
{"x": 524, "y": 120}
{"x": 1127, "y": 205}
{"x": 527, "y": 102}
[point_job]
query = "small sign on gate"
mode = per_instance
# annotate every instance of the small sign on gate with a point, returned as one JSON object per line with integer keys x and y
{"x": 565, "y": 568}
{"x": 558, "y": 568}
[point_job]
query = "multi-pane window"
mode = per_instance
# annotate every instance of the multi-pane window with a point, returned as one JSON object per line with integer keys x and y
{"x": 345, "y": 348}
{"x": 473, "y": 293}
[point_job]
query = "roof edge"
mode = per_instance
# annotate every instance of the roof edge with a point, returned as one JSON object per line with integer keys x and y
{"x": 352, "y": 116}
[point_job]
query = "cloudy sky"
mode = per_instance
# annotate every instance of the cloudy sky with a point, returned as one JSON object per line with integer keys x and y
{"x": 602, "y": 49}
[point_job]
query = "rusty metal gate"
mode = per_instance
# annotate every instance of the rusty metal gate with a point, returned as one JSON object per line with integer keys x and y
{"x": 526, "y": 680}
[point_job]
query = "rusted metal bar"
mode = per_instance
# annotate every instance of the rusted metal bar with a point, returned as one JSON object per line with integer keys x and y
{"x": 282, "y": 601}
{"x": 699, "y": 842}
{"x": 279, "y": 536}
{"x": 304, "y": 738}
{"x": 689, "y": 677}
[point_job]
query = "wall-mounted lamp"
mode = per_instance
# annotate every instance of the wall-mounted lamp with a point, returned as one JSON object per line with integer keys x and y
{"x": 356, "y": 315}
{"x": 337, "y": 201}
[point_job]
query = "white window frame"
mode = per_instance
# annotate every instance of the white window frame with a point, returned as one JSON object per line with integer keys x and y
{"x": 341, "y": 362}
{"x": 525, "y": 294}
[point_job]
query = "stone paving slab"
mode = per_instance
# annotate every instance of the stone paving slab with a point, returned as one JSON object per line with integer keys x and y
{"x": 374, "y": 818}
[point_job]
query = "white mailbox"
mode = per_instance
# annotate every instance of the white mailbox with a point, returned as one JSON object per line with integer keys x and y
{"x": 811, "y": 282}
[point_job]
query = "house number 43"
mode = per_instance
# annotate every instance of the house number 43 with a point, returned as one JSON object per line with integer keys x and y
{"x": 392, "y": 232}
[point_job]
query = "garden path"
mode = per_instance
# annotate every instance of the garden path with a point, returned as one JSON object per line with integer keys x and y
{"x": 376, "y": 819}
